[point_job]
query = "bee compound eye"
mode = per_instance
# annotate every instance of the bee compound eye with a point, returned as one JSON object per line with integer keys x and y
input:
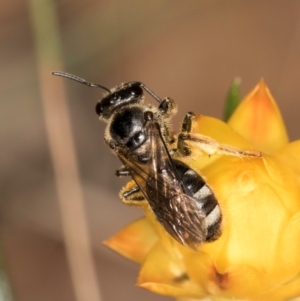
{"x": 99, "y": 109}
{"x": 136, "y": 140}
{"x": 139, "y": 138}
{"x": 136, "y": 90}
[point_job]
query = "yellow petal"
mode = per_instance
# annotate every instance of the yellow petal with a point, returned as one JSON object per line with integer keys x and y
{"x": 242, "y": 282}
{"x": 287, "y": 262}
{"x": 134, "y": 241}
{"x": 218, "y": 130}
{"x": 259, "y": 121}
{"x": 284, "y": 182}
{"x": 287, "y": 291}
{"x": 189, "y": 299}
{"x": 257, "y": 198}
{"x": 290, "y": 155}
{"x": 237, "y": 282}
{"x": 163, "y": 274}
{"x": 201, "y": 269}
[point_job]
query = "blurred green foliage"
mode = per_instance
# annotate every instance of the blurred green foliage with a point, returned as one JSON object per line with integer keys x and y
{"x": 233, "y": 98}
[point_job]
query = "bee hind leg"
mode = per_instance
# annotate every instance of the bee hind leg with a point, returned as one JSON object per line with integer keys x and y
{"x": 122, "y": 172}
{"x": 132, "y": 196}
{"x": 167, "y": 107}
{"x": 205, "y": 143}
{"x": 211, "y": 147}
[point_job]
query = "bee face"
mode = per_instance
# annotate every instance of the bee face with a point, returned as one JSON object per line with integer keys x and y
{"x": 127, "y": 126}
{"x": 139, "y": 135}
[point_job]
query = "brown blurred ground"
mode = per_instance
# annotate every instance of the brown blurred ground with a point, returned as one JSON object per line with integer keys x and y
{"x": 188, "y": 50}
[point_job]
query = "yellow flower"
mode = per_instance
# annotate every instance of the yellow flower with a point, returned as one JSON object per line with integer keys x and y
{"x": 257, "y": 257}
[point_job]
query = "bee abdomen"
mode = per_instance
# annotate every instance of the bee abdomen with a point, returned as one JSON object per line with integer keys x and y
{"x": 213, "y": 224}
{"x": 208, "y": 204}
{"x": 204, "y": 199}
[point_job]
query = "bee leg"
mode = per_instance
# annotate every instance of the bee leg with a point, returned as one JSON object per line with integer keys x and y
{"x": 123, "y": 171}
{"x": 133, "y": 196}
{"x": 211, "y": 146}
{"x": 186, "y": 127}
{"x": 167, "y": 108}
{"x": 130, "y": 194}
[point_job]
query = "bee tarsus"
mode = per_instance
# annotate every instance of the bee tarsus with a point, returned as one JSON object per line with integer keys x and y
{"x": 122, "y": 172}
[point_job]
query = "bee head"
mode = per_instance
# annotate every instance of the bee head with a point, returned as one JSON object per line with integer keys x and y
{"x": 129, "y": 93}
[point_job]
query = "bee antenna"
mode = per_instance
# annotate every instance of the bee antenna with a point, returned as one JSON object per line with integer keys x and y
{"x": 79, "y": 79}
{"x": 148, "y": 91}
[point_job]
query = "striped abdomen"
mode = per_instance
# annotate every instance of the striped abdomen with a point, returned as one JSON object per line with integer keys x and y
{"x": 200, "y": 192}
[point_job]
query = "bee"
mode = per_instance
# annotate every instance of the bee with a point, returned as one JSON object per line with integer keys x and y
{"x": 139, "y": 134}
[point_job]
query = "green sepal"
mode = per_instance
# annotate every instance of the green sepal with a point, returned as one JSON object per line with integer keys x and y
{"x": 233, "y": 98}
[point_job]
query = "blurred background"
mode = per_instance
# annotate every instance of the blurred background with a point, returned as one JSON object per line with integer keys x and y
{"x": 188, "y": 50}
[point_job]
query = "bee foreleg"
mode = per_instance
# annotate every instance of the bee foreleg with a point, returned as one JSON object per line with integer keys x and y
{"x": 211, "y": 146}
{"x": 167, "y": 107}
{"x": 123, "y": 171}
{"x": 186, "y": 125}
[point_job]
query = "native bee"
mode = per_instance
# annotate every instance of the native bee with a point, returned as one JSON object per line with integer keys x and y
{"x": 139, "y": 134}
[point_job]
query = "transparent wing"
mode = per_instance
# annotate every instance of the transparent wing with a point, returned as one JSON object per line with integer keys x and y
{"x": 161, "y": 185}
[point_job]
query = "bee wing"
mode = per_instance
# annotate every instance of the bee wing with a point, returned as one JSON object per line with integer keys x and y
{"x": 161, "y": 185}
